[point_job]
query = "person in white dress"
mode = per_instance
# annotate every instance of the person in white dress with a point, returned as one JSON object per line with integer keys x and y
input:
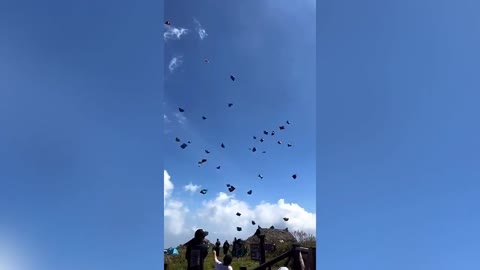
{"x": 225, "y": 265}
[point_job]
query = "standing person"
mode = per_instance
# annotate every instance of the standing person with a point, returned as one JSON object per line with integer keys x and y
{"x": 234, "y": 248}
{"x": 226, "y": 247}
{"x": 197, "y": 250}
{"x": 225, "y": 265}
{"x": 217, "y": 246}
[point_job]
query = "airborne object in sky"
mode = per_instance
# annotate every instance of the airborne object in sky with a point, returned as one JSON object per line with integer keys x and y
{"x": 288, "y": 122}
{"x": 206, "y": 151}
{"x": 238, "y": 214}
{"x": 222, "y": 145}
{"x": 279, "y": 142}
{"x": 260, "y": 176}
{"x": 167, "y": 23}
{"x": 273, "y": 133}
{"x": 253, "y": 222}
{"x": 239, "y": 229}
{"x": 230, "y": 105}
{"x": 203, "y": 191}
{"x": 254, "y": 137}
{"x": 289, "y": 145}
{"x": 177, "y": 139}
{"x": 254, "y": 149}
{"x": 286, "y": 218}
{"x": 189, "y": 142}
{"x": 262, "y": 140}
{"x": 232, "y": 77}
{"x": 249, "y": 192}
{"x": 206, "y": 60}
{"x": 181, "y": 110}
{"x": 294, "y": 176}
{"x": 231, "y": 188}
{"x": 200, "y": 162}
{"x": 184, "y": 145}
{"x": 281, "y": 127}
{"x": 204, "y": 118}
{"x": 263, "y": 152}
{"x": 218, "y": 167}
{"x": 265, "y": 132}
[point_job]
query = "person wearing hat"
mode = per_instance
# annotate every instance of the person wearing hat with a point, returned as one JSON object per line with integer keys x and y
{"x": 197, "y": 250}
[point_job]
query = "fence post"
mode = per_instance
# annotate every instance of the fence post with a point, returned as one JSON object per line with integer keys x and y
{"x": 262, "y": 248}
{"x": 312, "y": 258}
{"x": 296, "y": 261}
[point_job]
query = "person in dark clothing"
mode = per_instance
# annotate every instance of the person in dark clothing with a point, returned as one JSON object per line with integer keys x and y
{"x": 234, "y": 247}
{"x": 226, "y": 247}
{"x": 197, "y": 250}
{"x": 217, "y": 246}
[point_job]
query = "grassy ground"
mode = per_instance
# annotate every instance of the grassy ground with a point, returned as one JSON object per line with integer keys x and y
{"x": 179, "y": 262}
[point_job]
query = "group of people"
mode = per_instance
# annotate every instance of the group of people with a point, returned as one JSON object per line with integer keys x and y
{"x": 197, "y": 251}
{"x": 236, "y": 248}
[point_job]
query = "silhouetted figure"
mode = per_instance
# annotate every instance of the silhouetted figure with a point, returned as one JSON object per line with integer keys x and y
{"x": 226, "y": 247}
{"x": 217, "y": 246}
{"x": 197, "y": 250}
{"x": 234, "y": 247}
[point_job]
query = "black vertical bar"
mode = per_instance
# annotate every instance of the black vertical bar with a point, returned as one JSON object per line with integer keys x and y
{"x": 262, "y": 249}
{"x": 313, "y": 253}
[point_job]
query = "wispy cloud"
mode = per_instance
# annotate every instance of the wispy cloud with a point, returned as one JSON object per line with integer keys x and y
{"x": 202, "y": 33}
{"x": 175, "y": 63}
{"x": 191, "y": 188}
{"x": 166, "y": 119}
{"x": 174, "y": 32}
{"x": 180, "y": 118}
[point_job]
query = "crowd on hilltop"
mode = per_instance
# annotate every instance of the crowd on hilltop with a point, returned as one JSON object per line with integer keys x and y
{"x": 197, "y": 251}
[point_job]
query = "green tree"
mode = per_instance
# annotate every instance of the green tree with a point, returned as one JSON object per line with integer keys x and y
{"x": 305, "y": 239}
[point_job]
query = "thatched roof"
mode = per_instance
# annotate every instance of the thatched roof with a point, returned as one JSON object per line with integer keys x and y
{"x": 272, "y": 236}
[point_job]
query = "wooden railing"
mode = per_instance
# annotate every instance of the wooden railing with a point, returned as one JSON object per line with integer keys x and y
{"x": 309, "y": 263}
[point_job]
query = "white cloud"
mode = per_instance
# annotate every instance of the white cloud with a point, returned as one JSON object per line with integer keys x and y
{"x": 222, "y": 208}
{"x": 180, "y": 118}
{"x": 174, "y": 212}
{"x": 167, "y": 186}
{"x": 202, "y": 33}
{"x": 175, "y": 63}
{"x": 217, "y": 216}
{"x": 166, "y": 119}
{"x": 174, "y": 33}
{"x": 191, "y": 188}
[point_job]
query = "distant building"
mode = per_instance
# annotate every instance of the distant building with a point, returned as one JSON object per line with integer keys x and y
{"x": 272, "y": 236}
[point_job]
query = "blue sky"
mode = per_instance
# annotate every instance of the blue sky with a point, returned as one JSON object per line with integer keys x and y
{"x": 398, "y": 149}
{"x": 80, "y": 121}
{"x": 396, "y": 136}
{"x": 273, "y": 61}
